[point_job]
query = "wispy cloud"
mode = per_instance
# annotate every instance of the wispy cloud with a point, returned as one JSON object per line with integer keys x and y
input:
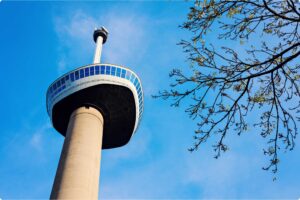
{"x": 75, "y": 28}
{"x": 131, "y": 38}
{"x": 75, "y": 39}
{"x": 61, "y": 65}
{"x": 128, "y": 38}
{"x": 36, "y": 140}
{"x": 131, "y": 151}
{"x": 221, "y": 175}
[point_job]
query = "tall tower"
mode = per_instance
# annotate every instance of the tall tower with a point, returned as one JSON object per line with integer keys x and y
{"x": 97, "y": 106}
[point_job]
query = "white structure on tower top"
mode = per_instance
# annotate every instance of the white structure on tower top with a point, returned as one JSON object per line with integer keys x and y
{"x": 100, "y": 37}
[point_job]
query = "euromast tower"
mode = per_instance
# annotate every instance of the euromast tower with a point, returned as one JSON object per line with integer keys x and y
{"x": 97, "y": 106}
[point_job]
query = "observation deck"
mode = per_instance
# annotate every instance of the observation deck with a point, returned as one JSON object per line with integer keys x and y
{"x": 114, "y": 90}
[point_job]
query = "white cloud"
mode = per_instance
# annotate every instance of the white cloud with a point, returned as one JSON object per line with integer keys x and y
{"x": 36, "y": 140}
{"x": 126, "y": 38}
{"x": 78, "y": 27}
{"x": 130, "y": 42}
{"x": 132, "y": 151}
{"x": 62, "y": 65}
{"x": 75, "y": 39}
{"x": 213, "y": 175}
{"x": 149, "y": 181}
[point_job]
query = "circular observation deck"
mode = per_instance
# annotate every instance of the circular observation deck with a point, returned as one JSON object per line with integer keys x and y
{"x": 114, "y": 90}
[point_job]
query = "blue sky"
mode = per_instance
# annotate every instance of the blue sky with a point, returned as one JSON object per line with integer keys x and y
{"x": 41, "y": 40}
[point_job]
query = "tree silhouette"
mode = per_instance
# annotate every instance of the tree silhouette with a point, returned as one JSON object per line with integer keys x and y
{"x": 224, "y": 85}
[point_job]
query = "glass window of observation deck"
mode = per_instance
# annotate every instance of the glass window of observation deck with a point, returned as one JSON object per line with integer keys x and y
{"x": 123, "y": 73}
{"x": 97, "y": 69}
{"x": 102, "y": 69}
{"x": 135, "y": 81}
{"x": 87, "y": 71}
{"x": 107, "y": 70}
{"x": 72, "y": 76}
{"x": 132, "y": 78}
{"x": 92, "y": 70}
{"x": 113, "y": 71}
{"x": 128, "y": 74}
{"x": 118, "y": 72}
{"x": 62, "y": 81}
{"x": 81, "y": 73}
{"x": 76, "y": 75}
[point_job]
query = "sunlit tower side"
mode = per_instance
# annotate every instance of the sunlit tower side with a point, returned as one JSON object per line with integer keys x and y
{"x": 98, "y": 106}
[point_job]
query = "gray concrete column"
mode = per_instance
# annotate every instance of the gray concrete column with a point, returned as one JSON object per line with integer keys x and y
{"x": 78, "y": 172}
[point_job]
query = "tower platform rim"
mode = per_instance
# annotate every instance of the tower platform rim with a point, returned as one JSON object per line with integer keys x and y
{"x": 93, "y": 64}
{"x": 133, "y": 83}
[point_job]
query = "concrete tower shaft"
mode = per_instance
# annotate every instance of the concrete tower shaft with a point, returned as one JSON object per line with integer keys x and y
{"x": 78, "y": 172}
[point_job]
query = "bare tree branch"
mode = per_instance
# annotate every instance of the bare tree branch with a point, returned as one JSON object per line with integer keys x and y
{"x": 265, "y": 78}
